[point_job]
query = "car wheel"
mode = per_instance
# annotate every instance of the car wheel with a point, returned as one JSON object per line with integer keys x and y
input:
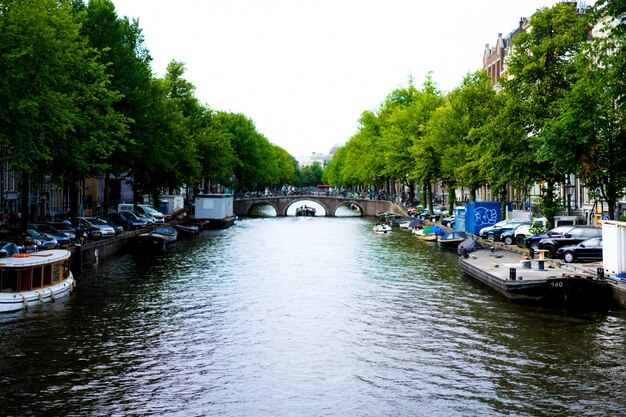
{"x": 569, "y": 257}
{"x": 551, "y": 251}
{"x": 534, "y": 246}
{"x": 491, "y": 237}
{"x": 520, "y": 241}
{"x": 508, "y": 240}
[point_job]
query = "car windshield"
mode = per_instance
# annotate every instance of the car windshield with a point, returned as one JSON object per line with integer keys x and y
{"x": 47, "y": 229}
{"x": 150, "y": 210}
{"x": 62, "y": 226}
{"x": 34, "y": 233}
{"x": 97, "y": 221}
{"x": 557, "y": 231}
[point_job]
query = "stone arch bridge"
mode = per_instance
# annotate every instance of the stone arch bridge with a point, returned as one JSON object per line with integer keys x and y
{"x": 243, "y": 206}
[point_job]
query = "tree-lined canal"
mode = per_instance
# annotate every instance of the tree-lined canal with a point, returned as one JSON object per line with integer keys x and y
{"x": 304, "y": 316}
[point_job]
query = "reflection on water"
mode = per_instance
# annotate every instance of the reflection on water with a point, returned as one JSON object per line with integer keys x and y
{"x": 304, "y": 316}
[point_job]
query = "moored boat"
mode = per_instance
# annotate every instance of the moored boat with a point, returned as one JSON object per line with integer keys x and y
{"x": 186, "y": 229}
{"x": 147, "y": 243}
{"x": 533, "y": 281}
{"x": 36, "y": 278}
{"x": 451, "y": 240}
{"x": 169, "y": 232}
{"x": 381, "y": 228}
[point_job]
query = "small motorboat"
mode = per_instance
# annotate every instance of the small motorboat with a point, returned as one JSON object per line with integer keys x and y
{"x": 411, "y": 224}
{"x": 147, "y": 243}
{"x": 305, "y": 211}
{"x": 169, "y": 232}
{"x": 381, "y": 228}
{"x": 451, "y": 240}
{"x": 185, "y": 230}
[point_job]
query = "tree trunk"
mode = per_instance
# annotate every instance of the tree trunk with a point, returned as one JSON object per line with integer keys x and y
{"x": 72, "y": 187}
{"x": 429, "y": 190}
{"x": 503, "y": 195}
{"x": 25, "y": 194}
{"x": 107, "y": 192}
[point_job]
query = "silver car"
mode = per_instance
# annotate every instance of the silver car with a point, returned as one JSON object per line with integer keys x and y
{"x": 96, "y": 227}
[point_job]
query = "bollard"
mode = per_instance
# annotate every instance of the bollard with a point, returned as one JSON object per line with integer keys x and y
{"x": 78, "y": 259}
{"x": 526, "y": 264}
{"x": 512, "y": 274}
{"x": 540, "y": 265}
{"x": 600, "y": 273}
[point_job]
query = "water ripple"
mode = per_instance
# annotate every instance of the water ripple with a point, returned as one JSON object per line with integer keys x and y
{"x": 302, "y": 316}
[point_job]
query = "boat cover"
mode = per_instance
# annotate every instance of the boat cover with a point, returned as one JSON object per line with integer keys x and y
{"x": 467, "y": 246}
{"x": 438, "y": 230}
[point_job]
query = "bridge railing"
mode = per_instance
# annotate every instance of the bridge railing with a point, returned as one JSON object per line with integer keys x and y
{"x": 299, "y": 194}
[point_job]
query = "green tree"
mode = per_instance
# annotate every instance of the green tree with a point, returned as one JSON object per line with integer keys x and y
{"x": 541, "y": 72}
{"x": 592, "y": 112}
{"x": 55, "y": 100}
{"x": 121, "y": 45}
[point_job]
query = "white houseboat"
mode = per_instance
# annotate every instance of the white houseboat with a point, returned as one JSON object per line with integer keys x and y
{"x": 35, "y": 278}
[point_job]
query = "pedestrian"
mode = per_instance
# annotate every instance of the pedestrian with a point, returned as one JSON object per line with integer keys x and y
{"x": 11, "y": 249}
{"x": 5, "y": 220}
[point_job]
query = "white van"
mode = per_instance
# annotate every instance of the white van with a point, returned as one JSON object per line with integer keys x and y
{"x": 125, "y": 207}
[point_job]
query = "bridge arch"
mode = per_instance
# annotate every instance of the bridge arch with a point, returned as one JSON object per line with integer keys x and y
{"x": 260, "y": 203}
{"x": 368, "y": 207}
{"x": 305, "y": 198}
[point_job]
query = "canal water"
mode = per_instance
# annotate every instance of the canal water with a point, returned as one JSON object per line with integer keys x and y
{"x": 303, "y": 316}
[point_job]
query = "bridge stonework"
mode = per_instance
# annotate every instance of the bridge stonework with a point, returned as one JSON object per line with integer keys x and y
{"x": 242, "y": 207}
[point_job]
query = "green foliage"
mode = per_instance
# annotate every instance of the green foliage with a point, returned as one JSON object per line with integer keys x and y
{"x": 310, "y": 175}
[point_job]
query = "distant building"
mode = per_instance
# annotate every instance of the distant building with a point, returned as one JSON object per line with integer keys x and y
{"x": 322, "y": 158}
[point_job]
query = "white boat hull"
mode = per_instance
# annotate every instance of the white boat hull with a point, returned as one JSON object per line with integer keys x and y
{"x": 18, "y": 300}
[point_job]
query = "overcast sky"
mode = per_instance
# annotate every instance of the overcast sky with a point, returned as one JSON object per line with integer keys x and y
{"x": 305, "y": 70}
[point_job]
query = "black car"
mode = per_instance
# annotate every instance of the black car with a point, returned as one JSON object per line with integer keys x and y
{"x": 62, "y": 239}
{"x": 590, "y": 250}
{"x": 573, "y": 236}
{"x": 127, "y": 219}
{"x": 532, "y": 242}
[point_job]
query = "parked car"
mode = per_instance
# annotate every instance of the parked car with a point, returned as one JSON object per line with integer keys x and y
{"x": 128, "y": 220}
{"x": 522, "y": 232}
{"x": 116, "y": 227}
{"x": 573, "y": 236}
{"x": 448, "y": 221}
{"x": 65, "y": 227}
{"x": 590, "y": 250}
{"x": 144, "y": 217}
{"x": 39, "y": 239}
{"x": 492, "y": 233}
{"x": 63, "y": 241}
{"x": 152, "y": 212}
{"x": 519, "y": 233}
{"x": 532, "y": 242}
{"x": 95, "y": 227}
{"x": 434, "y": 216}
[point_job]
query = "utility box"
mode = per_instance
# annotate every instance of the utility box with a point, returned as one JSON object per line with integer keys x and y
{"x": 459, "y": 219}
{"x": 213, "y": 206}
{"x": 481, "y": 214}
{"x": 614, "y": 248}
{"x": 171, "y": 203}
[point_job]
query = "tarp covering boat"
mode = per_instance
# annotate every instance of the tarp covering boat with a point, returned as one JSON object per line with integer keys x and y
{"x": 469, "y": 245}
